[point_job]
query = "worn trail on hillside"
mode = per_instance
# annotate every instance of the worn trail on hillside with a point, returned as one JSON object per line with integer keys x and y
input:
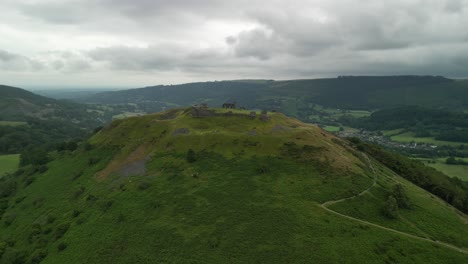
{"x": 328, "y": 203}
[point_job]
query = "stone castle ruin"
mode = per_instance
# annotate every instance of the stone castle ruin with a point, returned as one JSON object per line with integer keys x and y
{"x": 202, "y": 110}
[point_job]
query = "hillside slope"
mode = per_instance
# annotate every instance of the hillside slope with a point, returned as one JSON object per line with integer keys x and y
{"x": 30, "y": 120}
{"x": 220, "y": 187}
{"x": 17, "y": 104}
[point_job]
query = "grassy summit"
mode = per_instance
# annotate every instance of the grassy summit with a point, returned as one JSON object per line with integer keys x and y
{"x": 225, "y": 188}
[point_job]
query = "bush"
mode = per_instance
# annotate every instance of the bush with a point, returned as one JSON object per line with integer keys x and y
{"x": 93, "y": 161}
{"x": 76, "y": 213}
{"x": 28, "y": 180}
{"x": 390, "y": 209}
{"x": 61, "y": 246}
{"x": 14, "y": 256}
{"x": 38, "y": 256}
{"x": 143, "y": 186}
{"x": 401, "y": 197}
{"x": 50, "y": 219}
{"x": 7, "y": 188}
{"x": 106, "y": 205}
{"x": 191, "y": 157}
{"x": 61, "y": 230}
{"x": 78, "y": 192}
{"x": 9, "y": 219}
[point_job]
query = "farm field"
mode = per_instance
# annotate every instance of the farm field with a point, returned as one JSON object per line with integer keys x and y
{"x": 12, "y": 123}
{"x": 460, "y": 171}
{"x": 126, "y": 115}
{"x": 332, "y": 128}
{"x": 409, "y": 137}
{"x": 8, "y": 163}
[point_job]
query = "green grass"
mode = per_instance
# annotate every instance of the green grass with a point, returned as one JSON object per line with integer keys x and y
{"x": 427, "y": 217}
{"x": 12, "y": 123}
{"x": 247, "y": 198}
{"x": 409, "y": 137}
{"x": 8, "y": 163}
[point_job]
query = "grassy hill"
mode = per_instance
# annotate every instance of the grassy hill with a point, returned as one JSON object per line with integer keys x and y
{"x": 298, "y": 97}
{"x": 228, "y": 187}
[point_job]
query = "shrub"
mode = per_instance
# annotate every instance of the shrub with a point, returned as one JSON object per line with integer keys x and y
{"x": 61, "y": 230}
{"x": 390, "y": 209}
{"x": 106, "y": 205}
{"x": 76, "y": 213}
{"x": 91, "y": 198}
{"x": 191, "y": 157}
{"x": 7, "y": 188}
{"x": 38, "y": 202}
{"x": 93, "y": 161}
{"x": 50, "y": 219}
{"x": 61, "y": 246}
{"x": 9, "y": 219}
{"x": 38, "y": 256}
{"x": 20, "y": 199}
{"x": 78, "y": 192}
{"x": 401, "y": 197}
{"x": 28, "y": 180}
{"x": 143, "y": 186}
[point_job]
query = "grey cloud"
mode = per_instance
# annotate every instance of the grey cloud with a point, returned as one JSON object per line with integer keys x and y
{"x": 250, "y": 38}
{"x": 254, "y": 43}
{"x": 15, "y": 62}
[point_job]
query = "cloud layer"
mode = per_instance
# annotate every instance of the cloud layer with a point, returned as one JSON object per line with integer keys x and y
{"x": 126, "y": 42}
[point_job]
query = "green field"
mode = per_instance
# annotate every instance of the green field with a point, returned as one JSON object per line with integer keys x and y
{"x": 460, "y": 171}
{"x": 332, "y": 128}
{"x": 12, "y": 123}
{"x": 8, "y": 163}
{"x": 409, "y": 137}
{"x": 126, "y": 115}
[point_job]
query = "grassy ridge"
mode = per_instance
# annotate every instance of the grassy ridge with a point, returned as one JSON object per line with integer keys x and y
{"x": 244, "y": 198}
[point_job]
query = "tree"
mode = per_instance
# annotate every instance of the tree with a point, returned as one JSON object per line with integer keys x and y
{"x": 34, "y": 156}
{"x": 390, "y": 208}
{"x": 401, "y": 197}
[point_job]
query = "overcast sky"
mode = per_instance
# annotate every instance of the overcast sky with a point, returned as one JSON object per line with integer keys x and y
{"x": 132, "y": 43}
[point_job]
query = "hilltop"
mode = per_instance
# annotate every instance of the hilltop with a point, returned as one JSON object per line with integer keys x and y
{"x": 197, "y": 185}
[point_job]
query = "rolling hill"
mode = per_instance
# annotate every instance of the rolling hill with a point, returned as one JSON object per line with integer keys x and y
{"x": 30, "y": 120}
{"x": 220, "y": 186}
{"x": 17, "y": 104}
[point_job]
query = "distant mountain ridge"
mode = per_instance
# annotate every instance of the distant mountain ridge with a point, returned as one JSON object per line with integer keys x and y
{"x": 349, "y": 92}
{"x": 17, "y": 104}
